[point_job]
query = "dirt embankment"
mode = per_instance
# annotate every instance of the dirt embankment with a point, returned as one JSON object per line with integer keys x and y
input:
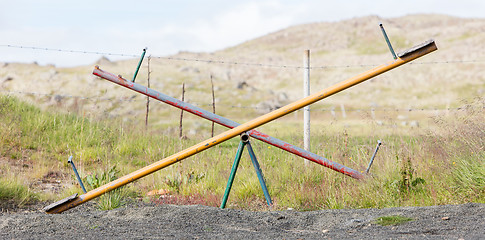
{"x": 465, "y": 221}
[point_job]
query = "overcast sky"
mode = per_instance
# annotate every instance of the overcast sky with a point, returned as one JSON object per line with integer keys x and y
{"x": 167, "y": 27}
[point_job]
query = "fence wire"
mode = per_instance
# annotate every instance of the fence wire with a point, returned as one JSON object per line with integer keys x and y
{"x": 227, "y": 62}
{"x": 217, "y": 61}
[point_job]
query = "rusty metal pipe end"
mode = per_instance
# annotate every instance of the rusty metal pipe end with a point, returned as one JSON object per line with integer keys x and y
{"x": 53, "y": 208}
{"x": 427, "y": 46}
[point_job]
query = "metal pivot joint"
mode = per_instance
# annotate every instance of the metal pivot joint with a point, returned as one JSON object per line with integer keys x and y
{"x": 245, "y": 143}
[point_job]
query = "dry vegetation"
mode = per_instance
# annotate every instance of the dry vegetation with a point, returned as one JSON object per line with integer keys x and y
{"x": 428, "y": 157}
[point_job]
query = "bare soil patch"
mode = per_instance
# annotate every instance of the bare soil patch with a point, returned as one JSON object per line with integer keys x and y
{"x": 150, "y": 221}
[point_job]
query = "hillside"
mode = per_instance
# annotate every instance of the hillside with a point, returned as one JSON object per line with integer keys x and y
{"x": 444, "y": 79}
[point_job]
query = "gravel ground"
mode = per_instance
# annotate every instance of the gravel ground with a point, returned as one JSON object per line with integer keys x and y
{"x": 135, "y": 221}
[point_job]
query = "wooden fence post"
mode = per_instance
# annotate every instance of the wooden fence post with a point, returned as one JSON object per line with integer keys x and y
{"x": 148, "y": 98}
{"x": 182, "y": 112}
{"x": 213, "y": 105}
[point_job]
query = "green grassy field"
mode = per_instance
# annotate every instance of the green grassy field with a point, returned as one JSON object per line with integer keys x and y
{"x": 443, "y": 163}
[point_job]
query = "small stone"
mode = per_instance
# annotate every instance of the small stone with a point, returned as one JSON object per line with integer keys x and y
{"x": 241, "y": 85}
{"x": 445, "y": 218}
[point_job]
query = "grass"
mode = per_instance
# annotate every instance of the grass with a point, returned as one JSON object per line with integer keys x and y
{"x": 392, "y": 220}
{"x": 439, "y": 165}
{"x": 111, "y": 200}
{"x": 16, "y": 191}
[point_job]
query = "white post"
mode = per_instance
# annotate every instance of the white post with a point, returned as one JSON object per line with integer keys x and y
{"x": 342, "y": 108}
{"x": 306, "y": 92}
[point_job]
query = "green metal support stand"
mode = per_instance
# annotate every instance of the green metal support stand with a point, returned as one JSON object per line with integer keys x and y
{"x": 240, "y": 149}
{"x": 260, "y": 174}
{"x": 245, "y": 142}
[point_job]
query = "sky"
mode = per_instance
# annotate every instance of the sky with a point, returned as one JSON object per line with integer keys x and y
{"x": 166, "y": 27}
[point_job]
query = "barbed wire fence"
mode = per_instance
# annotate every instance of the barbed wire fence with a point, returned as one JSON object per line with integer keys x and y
{"x": 331, "y": 110}
{"x": 229, "y": 62}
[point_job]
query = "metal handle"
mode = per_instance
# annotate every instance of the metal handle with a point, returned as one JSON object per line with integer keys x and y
{"x": 387, "y": 40}
{"x": 373, "y": 156}
{"x": 77, "y": 174}
{"x": 139, "y": 64}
